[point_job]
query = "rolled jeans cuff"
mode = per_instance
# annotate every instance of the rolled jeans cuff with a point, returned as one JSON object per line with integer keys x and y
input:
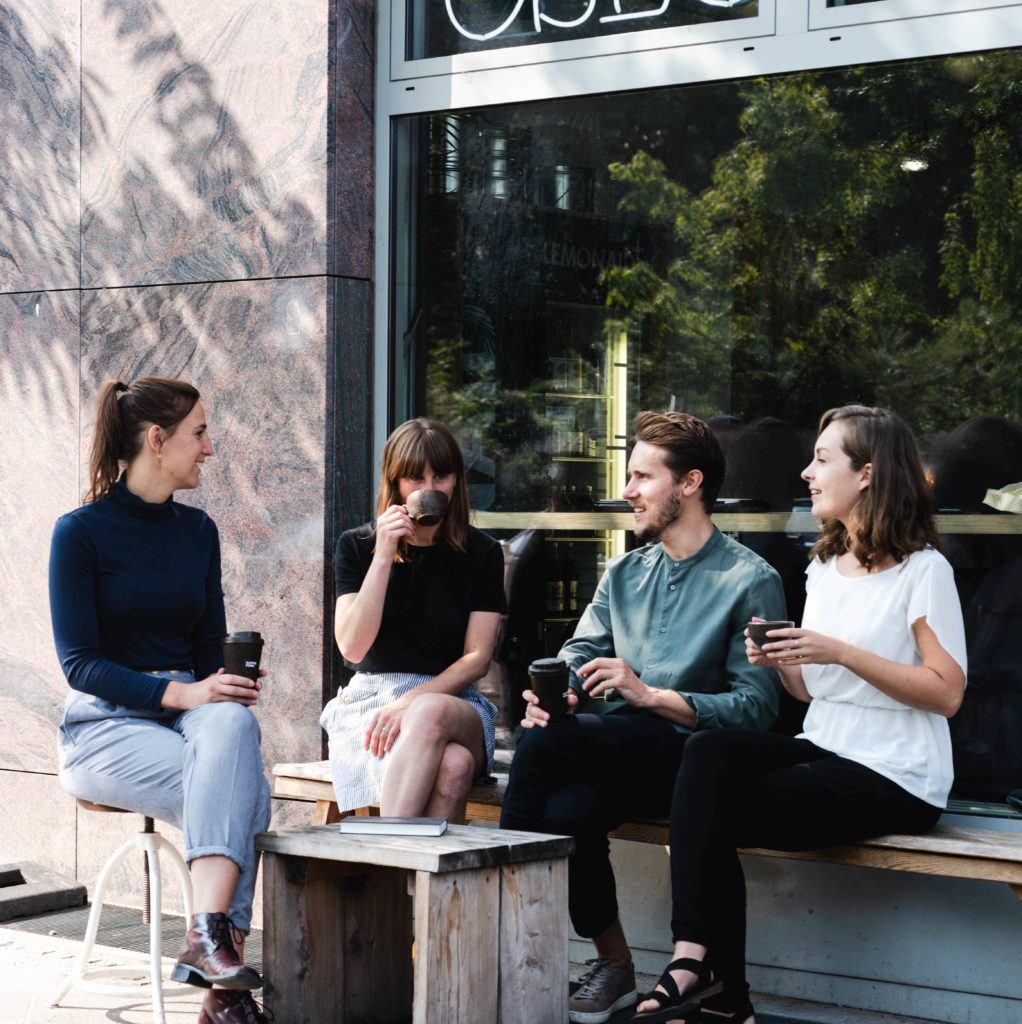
{"x": 216, "y": 851}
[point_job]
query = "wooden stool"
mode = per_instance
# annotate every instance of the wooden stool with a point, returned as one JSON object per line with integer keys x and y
{"x": 151, "y": 843}
{"x": 490, "y": 926}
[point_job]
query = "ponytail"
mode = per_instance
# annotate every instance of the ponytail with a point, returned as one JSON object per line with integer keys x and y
{"x": 124, "y": 412}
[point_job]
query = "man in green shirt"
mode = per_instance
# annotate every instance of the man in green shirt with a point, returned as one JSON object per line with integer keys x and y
{"x": 663, "y": 644}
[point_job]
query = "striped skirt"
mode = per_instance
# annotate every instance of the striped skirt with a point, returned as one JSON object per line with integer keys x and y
{"x": 358, "y": 775}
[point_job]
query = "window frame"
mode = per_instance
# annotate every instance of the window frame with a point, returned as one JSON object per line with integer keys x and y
{"x": 402, "y": 69}
{"x": 822, "y": 17}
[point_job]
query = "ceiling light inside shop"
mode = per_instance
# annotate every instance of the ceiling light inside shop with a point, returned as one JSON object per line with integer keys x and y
{"x": 914, "y": 163}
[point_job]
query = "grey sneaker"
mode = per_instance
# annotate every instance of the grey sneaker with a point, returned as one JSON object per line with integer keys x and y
{"x": 602, "y": 991}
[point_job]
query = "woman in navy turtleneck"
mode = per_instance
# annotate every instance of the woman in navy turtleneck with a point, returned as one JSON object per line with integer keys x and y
{"x": 152, "y": 723}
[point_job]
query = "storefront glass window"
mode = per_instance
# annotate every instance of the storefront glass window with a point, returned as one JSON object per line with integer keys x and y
{"x": 754, "y": 253}
{"x": 438, "y": 28}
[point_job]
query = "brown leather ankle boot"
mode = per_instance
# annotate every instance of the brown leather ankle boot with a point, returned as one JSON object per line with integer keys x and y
{"x": 208, "y": 956}
{"x": 223, "y": 1007}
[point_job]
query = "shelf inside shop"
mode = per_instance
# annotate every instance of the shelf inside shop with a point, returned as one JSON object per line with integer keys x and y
{"x": 574, "y": 394}
{"x": 729, "y": 522}
{"x": 578, "y": 458}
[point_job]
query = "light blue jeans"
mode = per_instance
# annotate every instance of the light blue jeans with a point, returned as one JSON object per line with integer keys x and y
{"x": 199, "y": 770}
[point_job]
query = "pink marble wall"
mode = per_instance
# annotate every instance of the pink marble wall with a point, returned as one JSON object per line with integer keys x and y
{"x": 40, "y": 94}
{"x": 352, "y": 121}
{"x": 219, "y": 229}
{"x": 38, "y": 823}
{"x": 204, "y": 140}
{"x": 256, "y": 350}
{"x": 39, "y": 472}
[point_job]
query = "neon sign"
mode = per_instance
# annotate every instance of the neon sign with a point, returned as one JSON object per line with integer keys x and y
{"x": 541, "y": 18}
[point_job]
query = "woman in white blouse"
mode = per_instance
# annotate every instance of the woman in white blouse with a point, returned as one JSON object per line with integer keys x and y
{"x": 879, "y": 658}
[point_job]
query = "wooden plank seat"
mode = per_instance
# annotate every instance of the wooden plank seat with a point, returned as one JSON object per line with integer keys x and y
{"x": 948, "y": 850}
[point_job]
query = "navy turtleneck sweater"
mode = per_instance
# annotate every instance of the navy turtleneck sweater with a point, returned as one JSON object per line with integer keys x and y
{"x": 134, "y": 588}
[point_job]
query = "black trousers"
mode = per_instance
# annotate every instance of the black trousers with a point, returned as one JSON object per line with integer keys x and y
{"x": 737, "y": 788}
{"x": 583, "y": 777}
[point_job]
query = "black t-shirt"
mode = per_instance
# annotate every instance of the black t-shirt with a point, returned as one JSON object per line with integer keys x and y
{"x": 429, "y": 598}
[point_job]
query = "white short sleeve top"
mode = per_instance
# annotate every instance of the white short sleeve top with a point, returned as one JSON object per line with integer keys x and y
{"x": 851, "y": 717}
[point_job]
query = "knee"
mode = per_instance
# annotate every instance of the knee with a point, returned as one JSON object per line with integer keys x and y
{"x": 232, "y": 724}
{"x": 427, "y": 719}
{"x": 455, "y": 774}
{"x": 711, "y": 753}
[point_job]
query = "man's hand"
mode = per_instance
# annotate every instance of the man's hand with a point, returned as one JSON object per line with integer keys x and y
{"x": 602, "y": 674}
{"x": 536, "y": 716}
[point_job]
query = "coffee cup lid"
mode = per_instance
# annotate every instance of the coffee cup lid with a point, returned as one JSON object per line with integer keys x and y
{"x": 243, "y": 638}
{"x": 551, "y": 665}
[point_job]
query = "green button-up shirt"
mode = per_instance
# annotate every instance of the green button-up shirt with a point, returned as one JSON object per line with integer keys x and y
{"x": 680, "y": 625}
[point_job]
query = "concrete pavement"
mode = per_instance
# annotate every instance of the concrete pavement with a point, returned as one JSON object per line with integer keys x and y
{"x": 32, "y": 967}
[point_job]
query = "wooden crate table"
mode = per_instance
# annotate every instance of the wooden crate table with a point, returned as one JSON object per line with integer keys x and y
{"x": 490, "y": 927}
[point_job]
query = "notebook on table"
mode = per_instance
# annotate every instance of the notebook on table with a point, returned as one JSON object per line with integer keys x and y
{"x": 367, "y": 826}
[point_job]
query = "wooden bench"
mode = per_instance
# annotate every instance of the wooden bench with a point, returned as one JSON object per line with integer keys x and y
{"x": 948, "y": 850}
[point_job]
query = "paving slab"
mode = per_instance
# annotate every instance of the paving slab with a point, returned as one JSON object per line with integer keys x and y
{"x": 27, "y": 888}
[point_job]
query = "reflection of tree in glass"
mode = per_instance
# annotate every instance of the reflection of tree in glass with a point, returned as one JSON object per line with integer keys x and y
{"x": 813, "y": 268}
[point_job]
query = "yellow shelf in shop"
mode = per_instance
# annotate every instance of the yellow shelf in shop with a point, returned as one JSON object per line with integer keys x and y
{"x": 729, "y": 522}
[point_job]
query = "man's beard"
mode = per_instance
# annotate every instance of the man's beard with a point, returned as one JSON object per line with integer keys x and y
{"x": 668, "y": 514}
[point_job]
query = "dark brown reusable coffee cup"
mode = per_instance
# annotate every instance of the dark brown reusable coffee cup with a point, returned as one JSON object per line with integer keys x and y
{"x": 548, "y": 678}
{"x": 758, "y": 631}
{"x": 242, "y": 652}
{"x": 426, "y": 507}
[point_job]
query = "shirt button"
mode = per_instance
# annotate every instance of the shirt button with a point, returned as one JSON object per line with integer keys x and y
{"x": 676, "y": 564}
{"x": 673, "y": 587}
{"x": 663, "y": 629}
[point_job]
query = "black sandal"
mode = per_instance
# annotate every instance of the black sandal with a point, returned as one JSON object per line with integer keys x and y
{"x": 704, "y": 1015}
{"x": 673, "y": 1004}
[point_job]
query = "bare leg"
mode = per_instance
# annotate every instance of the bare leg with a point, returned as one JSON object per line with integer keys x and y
{"x": 453, "y": 784}
{"x": 213, "y": 881}
{"x": 432, "y": 722}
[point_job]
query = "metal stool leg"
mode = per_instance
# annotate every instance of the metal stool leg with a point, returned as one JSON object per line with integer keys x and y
{"x": 170, "y": 850}
{"x": 78, "y": 971}
{"x": 153, "y": 880}
{"x": 151, "y": 843}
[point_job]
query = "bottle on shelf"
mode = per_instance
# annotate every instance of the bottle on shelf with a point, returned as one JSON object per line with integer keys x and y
{"x": 587, "y": 500}
{"x": 553, "y": 584}
{"x": 569, "y": 577}
{"x": 578, "y": 436}
{"x": 559, "y": 501}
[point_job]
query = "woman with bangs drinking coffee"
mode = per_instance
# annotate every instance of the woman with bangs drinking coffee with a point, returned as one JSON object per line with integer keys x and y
{"x": 879, "y": 658}
{"x": 420, "y": 594}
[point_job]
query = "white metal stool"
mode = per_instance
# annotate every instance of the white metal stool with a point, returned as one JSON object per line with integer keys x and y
{"x": 151, "y": 843}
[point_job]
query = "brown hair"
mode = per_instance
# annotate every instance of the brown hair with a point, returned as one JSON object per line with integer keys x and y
{"x": 407, "y": 452}
{"x": 688, "y": 444}
{"x": 123, "y": 413}
{"x": 894, "y": 514}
